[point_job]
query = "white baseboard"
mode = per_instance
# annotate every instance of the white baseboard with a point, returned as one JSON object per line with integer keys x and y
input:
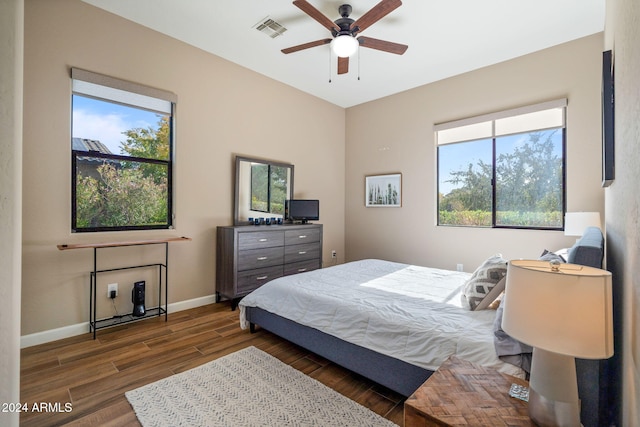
{"x": 83, "y": 328}
{"x": 192, "y": 303}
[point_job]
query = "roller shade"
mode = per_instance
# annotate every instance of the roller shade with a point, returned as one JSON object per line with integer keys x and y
{"x": 100, "y": 86}
{"x": 546, "y": 115}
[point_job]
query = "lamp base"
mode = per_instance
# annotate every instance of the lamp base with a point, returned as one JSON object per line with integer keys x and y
{"x": 553, "y": 390}
{"x": 552, "y": 413}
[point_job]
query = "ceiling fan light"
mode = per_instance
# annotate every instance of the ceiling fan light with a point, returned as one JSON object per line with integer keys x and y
{"x": 344, "y": 45}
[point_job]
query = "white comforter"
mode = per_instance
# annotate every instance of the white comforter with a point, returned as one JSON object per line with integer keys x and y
{"x": 408, "y": 312}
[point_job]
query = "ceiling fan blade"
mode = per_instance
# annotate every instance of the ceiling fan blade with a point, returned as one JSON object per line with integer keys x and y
{"x": 382, "y": 45}
{"x": 376, "y": 13}
{"x": 343, "y": 65}
{"x": 307, "y": 8}
{"x": 306, "y": 46}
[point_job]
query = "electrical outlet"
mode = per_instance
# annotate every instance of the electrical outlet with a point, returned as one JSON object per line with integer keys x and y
{"x": 112, "y": 287}
{"x": 334, "y": 254}
{"x": 459, "y": 267}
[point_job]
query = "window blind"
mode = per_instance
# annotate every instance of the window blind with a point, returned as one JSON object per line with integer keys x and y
{"x": 109, "y": 88}
{"x": 546, "y": 115}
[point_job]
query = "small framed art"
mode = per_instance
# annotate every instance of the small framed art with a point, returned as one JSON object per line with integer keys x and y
{"x": 383, "y": 190}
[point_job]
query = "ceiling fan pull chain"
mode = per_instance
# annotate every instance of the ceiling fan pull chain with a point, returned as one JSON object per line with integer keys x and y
{"x": 329, "y": 50}
{"x": 358, "y": 63}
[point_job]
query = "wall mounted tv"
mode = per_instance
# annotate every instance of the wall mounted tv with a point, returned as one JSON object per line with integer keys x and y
{"x": 302, "y": 210}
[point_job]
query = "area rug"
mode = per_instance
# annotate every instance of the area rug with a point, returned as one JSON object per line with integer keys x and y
{"x": 246, "y": 388}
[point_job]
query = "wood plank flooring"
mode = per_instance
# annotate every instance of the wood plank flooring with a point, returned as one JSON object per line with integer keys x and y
{"x": 93, "y": 375}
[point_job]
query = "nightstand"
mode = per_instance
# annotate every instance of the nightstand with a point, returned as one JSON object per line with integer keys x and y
{"x": 462, "y": 393}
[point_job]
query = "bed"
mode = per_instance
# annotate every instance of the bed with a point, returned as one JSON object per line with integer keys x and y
{"x": 373, "y": 319}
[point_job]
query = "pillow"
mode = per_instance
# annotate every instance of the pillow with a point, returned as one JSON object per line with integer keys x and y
{"x": 551, "y": 256}
{"x": 564, "y": 253}
{"x": 482, "y": 281}
{"x": 494, "y": 294}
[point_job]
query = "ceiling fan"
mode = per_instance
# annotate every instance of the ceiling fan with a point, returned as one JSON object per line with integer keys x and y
{"x": 344, "y": 30}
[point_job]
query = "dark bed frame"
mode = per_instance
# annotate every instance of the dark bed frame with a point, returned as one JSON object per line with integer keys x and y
{"x": 392, "y": 373}
{"x": 594, "y": 376}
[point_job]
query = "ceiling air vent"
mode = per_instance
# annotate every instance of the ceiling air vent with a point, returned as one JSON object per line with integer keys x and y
{"x": 270, "y": 27}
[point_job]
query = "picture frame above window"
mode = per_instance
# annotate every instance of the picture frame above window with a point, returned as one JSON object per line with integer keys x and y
{"x": 383, "y": 191}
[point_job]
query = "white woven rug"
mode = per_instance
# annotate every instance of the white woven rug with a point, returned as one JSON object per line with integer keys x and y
{"x": 246, "y": 388}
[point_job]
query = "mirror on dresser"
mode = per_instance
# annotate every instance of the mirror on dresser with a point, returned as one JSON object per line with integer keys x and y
{"x": 261, "y": 187}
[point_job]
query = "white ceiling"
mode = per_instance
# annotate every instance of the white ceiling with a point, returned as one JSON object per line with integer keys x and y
{"x": 445, "y": 38}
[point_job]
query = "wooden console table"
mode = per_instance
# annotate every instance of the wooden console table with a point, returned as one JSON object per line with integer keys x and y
{"x": 95, "y": 324}
{"x": 461, "y": 393}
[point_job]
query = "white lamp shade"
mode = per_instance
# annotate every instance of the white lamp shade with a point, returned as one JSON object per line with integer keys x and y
{"x": 576, "y": 222}
{"x": 566, "y": 312}
{"x": 344, "y": 46}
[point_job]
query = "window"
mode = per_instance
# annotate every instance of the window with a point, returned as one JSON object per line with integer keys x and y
{"x": 269, "y": 187}
{"x": 121, "y": 155}
{"x": 504, "y": 169}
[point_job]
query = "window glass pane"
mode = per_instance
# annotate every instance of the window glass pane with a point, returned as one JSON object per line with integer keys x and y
{"x": 119, "y": 194}
{"x": 269, "y": 188}
{"x": 464, "y": 183}
{"x": 279, "y": 192}
{"x": 260, "y": 187}
{"x": 120, "y": 129}
{"x": 529, "y": 179}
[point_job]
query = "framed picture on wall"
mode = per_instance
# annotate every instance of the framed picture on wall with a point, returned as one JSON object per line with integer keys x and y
{"x": 608, "y": 115}
{"x": 383, "y": 190}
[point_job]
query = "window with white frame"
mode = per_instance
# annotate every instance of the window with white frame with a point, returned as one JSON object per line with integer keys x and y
{"x": 121, "y": 154}
{"x": 505, "y": 169}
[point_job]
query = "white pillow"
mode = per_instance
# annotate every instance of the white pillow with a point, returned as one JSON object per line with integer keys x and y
{"x": 564, "y": 253}
{"x": 482, "y": 281}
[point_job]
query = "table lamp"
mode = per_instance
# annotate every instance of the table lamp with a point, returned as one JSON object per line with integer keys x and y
{"x": 563, "y": 311}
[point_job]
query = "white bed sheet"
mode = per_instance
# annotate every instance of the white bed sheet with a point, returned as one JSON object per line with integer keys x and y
{"x": 404, "y": 311}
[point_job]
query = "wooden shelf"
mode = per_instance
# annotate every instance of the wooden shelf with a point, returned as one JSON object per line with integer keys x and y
{"x": 65, "y": 247}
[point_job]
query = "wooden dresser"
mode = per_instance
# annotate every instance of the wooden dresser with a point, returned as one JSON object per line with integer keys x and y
{"x": 248, "y": 256}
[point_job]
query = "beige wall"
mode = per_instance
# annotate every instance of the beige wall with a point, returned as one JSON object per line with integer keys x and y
{"x": 395, "y": 134}
{"x": 622, "y": 205}
{"x": 223, "y": 109}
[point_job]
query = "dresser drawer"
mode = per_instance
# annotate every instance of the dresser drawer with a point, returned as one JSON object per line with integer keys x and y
{"x": 258, "y": 258}
{"x": 260, "y": 239}
{"x": 251, "y": 280}
{"x": 296, "y": 237}
{"x": 307, "y": 251}
{"x": 301, "y": 267}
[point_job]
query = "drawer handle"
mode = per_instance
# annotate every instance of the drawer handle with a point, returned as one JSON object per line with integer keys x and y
{"x": 262, "y": 258}
{"x": 302, "y": 270}
{"x": 262, "y": 277}
{"x": 302, "y": 236}
{"x": 302, "y": 252}
{"x": 263, "y": 240}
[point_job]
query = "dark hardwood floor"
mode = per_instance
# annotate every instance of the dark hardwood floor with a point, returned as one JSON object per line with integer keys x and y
{"x": 93, "y": 375}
